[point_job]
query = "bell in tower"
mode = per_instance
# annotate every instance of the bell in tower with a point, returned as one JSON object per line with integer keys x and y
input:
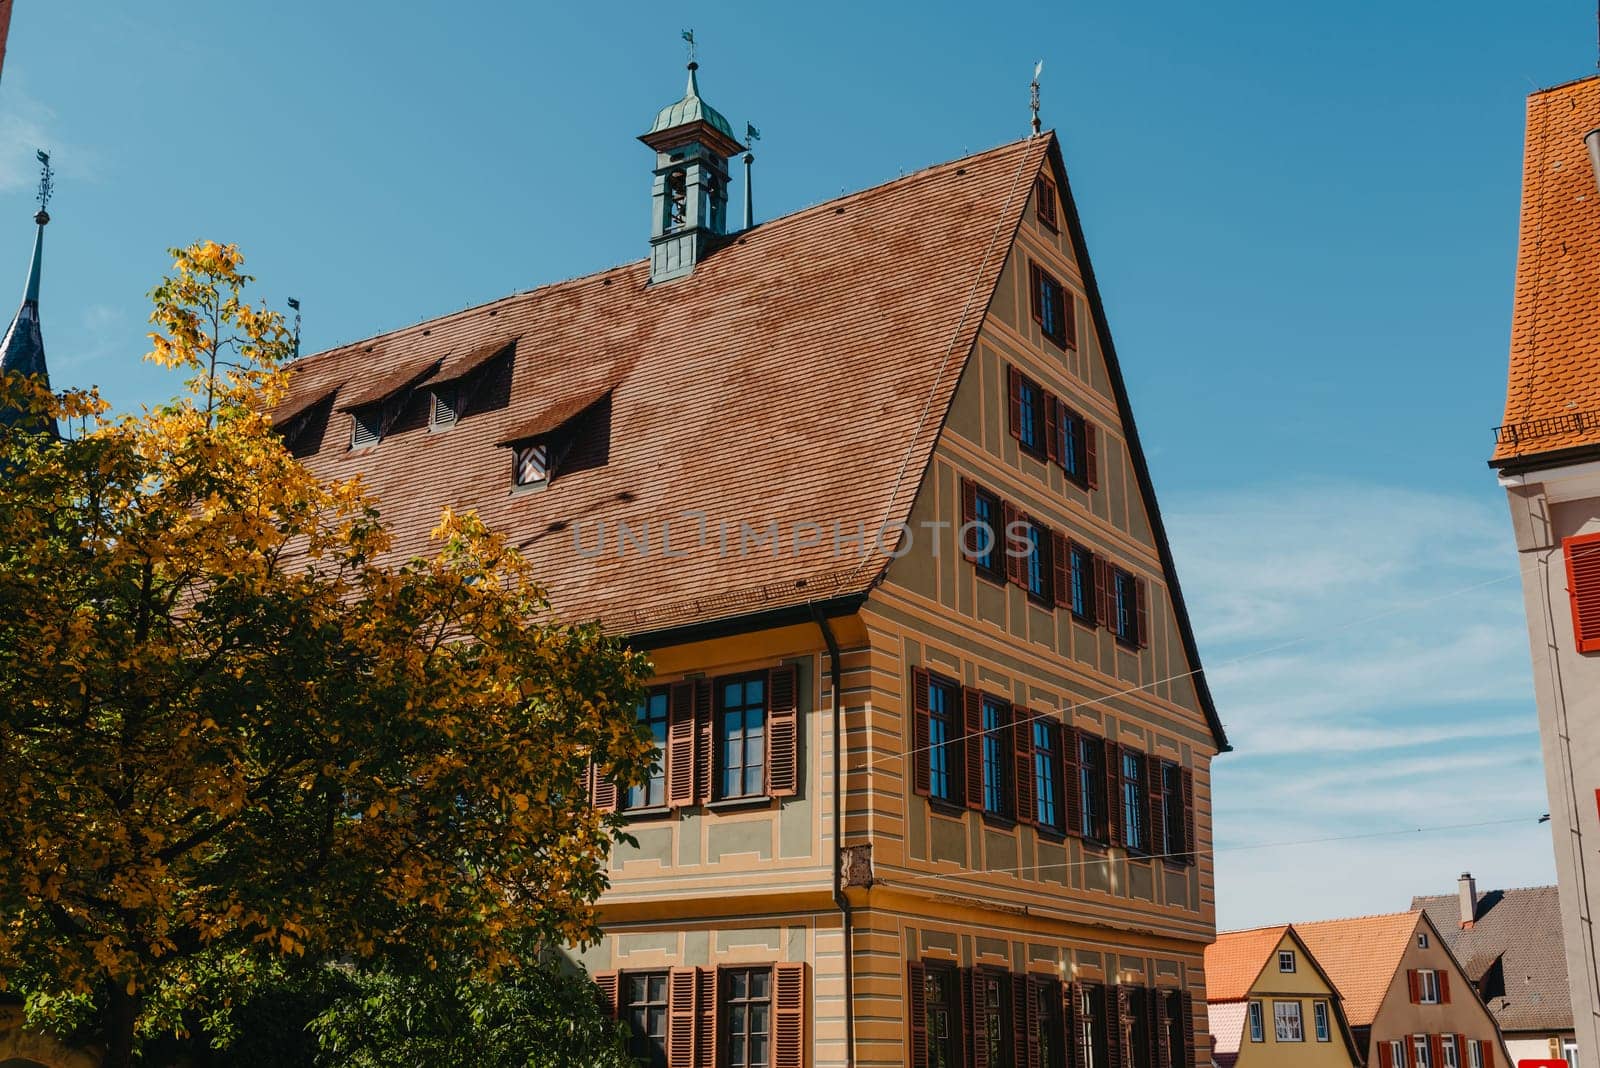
{"x": 689, "y": 202}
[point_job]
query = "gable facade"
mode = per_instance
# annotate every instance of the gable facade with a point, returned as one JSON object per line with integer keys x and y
{"x": 1289, "y": 1015}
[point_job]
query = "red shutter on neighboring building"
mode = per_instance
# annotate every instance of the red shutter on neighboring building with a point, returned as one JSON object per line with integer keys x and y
{"x": 789, "y": 1016}
{"x": 917, "y": 1012}
{"x": 1436, "y": 1045}
{"x": 920, "y": 735}
{"x": 1014, "y": 390}
{"x": 969, "y": 515}
{"x": 1583, "y": 586}
{"x": 610, "y": 985}
{"x": 1414, "y": 985}
{"x": 1142, "y": 622}
{"x": 1052, "y": 429}
{"x": 683, "y": 1016}
{"x": 1021, "y": 731}
{"x": 602, "y": 790}
{"x": 1061, "y": 567}
{"x": 1071, "y": 779}
{"x": 1091, "y": 455}
{"x": 1113, "y": 793}
{"x": 680, "y": 756}
{"x": 972, "y": 744}
{"x": 705, "y": 743}
{"x": 783, "y": 732}
{"x": 1190, "y": 832}
{"x": 1157, "y": 794}
{"x": 1488, "y": 1054}
{"x": 1385, "y": 1056}
{"x": 1444, "y": 987}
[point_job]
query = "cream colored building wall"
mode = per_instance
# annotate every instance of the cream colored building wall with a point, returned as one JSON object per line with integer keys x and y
{"x": 1398, "y": 1018}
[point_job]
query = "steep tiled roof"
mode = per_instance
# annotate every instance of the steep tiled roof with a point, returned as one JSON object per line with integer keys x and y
{"x": 1553, "y": 389}
{"x": 1522, "y": 930}
{"x": 1361, "y": 956}
{"x": 1236, "y": 958}
{"x": 1227, "y": 1030}
{"x": 819, "y": 350}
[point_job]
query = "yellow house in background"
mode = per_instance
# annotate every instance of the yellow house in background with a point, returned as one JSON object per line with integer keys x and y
{"x": 1270, "y": 1003}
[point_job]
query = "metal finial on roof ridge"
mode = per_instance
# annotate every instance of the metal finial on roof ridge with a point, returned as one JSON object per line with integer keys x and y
{"x": 1033, "y": 96}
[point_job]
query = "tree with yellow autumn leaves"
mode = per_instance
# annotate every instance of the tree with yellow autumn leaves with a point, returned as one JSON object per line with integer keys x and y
{"x": 236, "y": 734}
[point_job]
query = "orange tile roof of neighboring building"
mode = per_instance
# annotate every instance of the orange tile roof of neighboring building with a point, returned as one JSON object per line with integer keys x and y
{"x": 1361, "y": 956}
{"x": 1553, "y": 389}
{"x": 799, "y": 376}
{"x": 1235, "y": 960}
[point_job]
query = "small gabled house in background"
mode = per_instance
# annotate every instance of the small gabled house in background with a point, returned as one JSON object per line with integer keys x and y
{"x": 1509, "y": 946}
{"x": 1408, "y": 1002}
{"x": 926, "y": 796}
{"x": 1270, "y": 1004}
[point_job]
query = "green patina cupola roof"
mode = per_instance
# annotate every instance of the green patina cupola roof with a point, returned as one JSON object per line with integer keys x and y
{"x": 691, "y": 109}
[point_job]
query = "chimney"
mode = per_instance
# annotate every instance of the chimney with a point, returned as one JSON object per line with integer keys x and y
{"x": 1469, "y": 899}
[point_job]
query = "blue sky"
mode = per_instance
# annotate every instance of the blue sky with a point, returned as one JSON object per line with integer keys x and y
{"x": 1303, "y": 218}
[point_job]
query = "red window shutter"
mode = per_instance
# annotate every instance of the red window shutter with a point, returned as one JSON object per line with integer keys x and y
{"x": 917, "y": 1012}
{"x": 783, "y": 732}
{"x": 1061, "y": 569}
{"x": 973, "y": 1017}
{"x": 969, "y": 516}
{"x": 681, "y": 746}
{"x": 1155, "y": 794}
{"x": 1091, "y": 455}
{"x": 1035, "y": 304}
{"x": 1116, "y": 1012}
{"x": 1016, "y": 560}
{"x": 922, "y": 776}
{"x": 1143, "y": 620}
{"x": 610, "y": 985}
{"x": 1113, "y": 793}
{"x": 1414, "y": 985}
{"x": 1073, "y": 784}
{"x": 1021, "y": 731}
{"x": 705, "y": 742}
{"x": 1385, "y": 1056}
{"x": 707, "y": 1033}
{"x": 1069, "y": 310}
{"x": 1052, "y": 429}
{"x": 1191, "y": 834}
{"x": 1488, "y": 1054}
{"x": 1461, "y": 1052}
{"x": 1436, "y": 1045}
{"x": 683, "y": 1016}
{"x": 1014, "y": 389}
{"x": 1444, "y": 987}
{"x": 602, "y": 790}
{"x": 1583, "y": 587}
{"x": 789, "y": 1016}
{"x": 972, "y": 730}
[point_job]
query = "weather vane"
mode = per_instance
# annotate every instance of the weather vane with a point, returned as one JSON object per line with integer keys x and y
{"x": 1033, "y": 93}
{"x": 688, "y": 35}
{"x": 295, "y": 304}
{"x": 751, "y": 136}
{"x": 47, "y": 185}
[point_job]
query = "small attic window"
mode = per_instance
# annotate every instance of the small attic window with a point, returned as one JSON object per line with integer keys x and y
{"x": 1044, "y": 196}
{"x": 532, "y": 464}
{"x": 446, "y": 406}
{"x": 366, "y": 426}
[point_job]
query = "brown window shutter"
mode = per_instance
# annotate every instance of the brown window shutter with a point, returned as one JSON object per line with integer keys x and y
{"x": 1142, "y": 620}
{"x": 921, "y": 734}
{"x": 1113, "y": 793}
{"x": 1014, "y": 389}
{"x": 1052, "y": 429}
{"x": 1186, "y": 1003}
{"x": 1061, "y": 569}
{"x": 1156, "y": 794}
{"x": 680, "y": 755}
{"x": 1080, "y": 1052}
{"x": 683, "y": 1016}
{"x": 1104, "y": 594}
{"x": 788, "y": 1016}
{"x": 1116, "y": 1012}
{"x": 1158, "y": 1013}
{"x": 1091, "y": 455}
{"x": 1069, "y": 311}
{"x": 917, "y": 1012}
{"x": 969, "y": 515}
{"x": 610, "y": 984}
{"x": 1035, "y": 990}
{"x": 707, "y": 1035}
{"x": 1385, "y": 1056}
{"x": 1016, "y": 562}
{"x": 977, "y": 1020}
{"x": 1190, "y": 837}
{"x": 1072, "y": 781}
{"x": 1444, "y": 987}
{"x": 1021, "y": 732}
{"x": 705, "y": 742}
{"x": 602, "y": 790}
{"x": 1034, "y": 302}
{"x": 783, "y": 732}
{"x": 1414, "y": 985}
{"x": 972, "y": 728}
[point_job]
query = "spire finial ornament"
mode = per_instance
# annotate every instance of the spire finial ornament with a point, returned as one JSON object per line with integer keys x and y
{"x": 22, "y": 348}
{"x": 47, "y": 185}
{"x": 688, "y": 35}
{"x": 751, "y": 136}
{"x": 1033, "y": 95}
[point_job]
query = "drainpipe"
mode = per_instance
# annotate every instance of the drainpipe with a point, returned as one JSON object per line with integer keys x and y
{"x": 838, "y": 831}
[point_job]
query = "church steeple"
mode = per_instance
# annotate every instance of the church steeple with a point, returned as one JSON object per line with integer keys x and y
{"x": 22, "y": 351}
{"x": 689, "y": 200}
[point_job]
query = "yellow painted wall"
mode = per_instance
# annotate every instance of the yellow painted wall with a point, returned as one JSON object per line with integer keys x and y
{"x": 1306, "y": 986}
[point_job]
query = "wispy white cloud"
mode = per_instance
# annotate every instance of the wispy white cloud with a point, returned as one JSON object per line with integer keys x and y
{"x": 26, "y": 126}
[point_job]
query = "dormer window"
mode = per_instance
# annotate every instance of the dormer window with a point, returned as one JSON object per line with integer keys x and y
{"x": 366, "y": 426}
{"x": 532, "y": 464}
{"x": 446, "y": 406}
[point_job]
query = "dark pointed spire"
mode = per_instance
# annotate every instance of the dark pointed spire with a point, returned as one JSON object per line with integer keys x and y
{"x": 22, "y": 350}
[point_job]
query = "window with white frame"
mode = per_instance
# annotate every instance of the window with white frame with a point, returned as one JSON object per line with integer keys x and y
{"x": 1428, "y": 987}
{"x": 1285, "y": 960}
{"x": 1421, "y": 1052}
{"x": 1286, "y": 1021}
{"x": 1447, "y": 1047}
{"x": 1475, "y": 1054}
{"x": 1258, "y": 1027}
{"x": 1569, "y": 1052}
{"x": 1422, "y": 939}
{"x": 1319, "y": 1017}
{"x": 1397, "y": 1053}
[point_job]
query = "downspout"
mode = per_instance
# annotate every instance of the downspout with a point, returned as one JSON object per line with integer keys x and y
{"x": 835, "y": 673}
